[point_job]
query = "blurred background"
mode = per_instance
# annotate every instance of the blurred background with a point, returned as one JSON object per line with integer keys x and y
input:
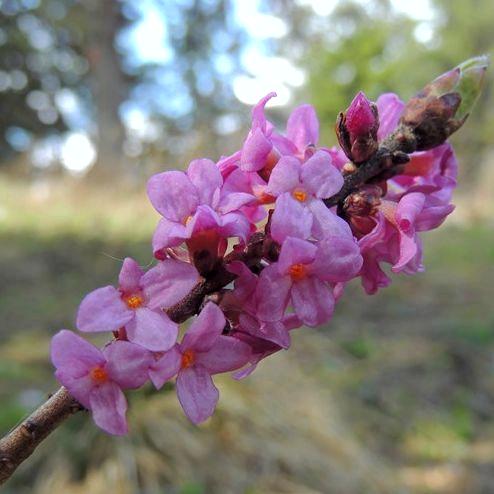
{"x": 396, "y": 395}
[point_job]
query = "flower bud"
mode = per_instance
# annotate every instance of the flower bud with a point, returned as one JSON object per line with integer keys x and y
{"x": 356, "y": 129}
{"x": 444, "y": 104}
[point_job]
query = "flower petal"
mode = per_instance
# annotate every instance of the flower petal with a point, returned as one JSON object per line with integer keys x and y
{"x": 152, "y": 330}
{"x": 205, "y": 329}
{"x": 235, "y": 225}
{"x": 197, "y": 393}
{"x": 272, "y": 294}
{"x": 168, "y": 283}
{"x": 295, "y": 251}
{"x": 130, "y": 275}
{"x": 225, "y": 355}
{"x": 235, "y": 200}
{"x": 320, "y": 177}
{"x": 285, "y": 176}
{"x": 168, "y": 234}
{"x": 290, "y": 219}
{"x": 408, "y": 209}
{"x": 108, "y": 406}
{"x": 313, "y": 301}
{"x": 303, "y": 127}
{"x": 73, "y": 355}
{"x": 255, "y": 151}
{"x": 206, "y": 177}
{"x": 103, "y": 310}
{"x": 173, "y": 195}
{"x": 128, "y": 364}
{"x": 337, "y": 259}
{"x": 390, "y": 108}
{"x": 79, "y": 387}
{"x": 326, "y": 223}
{"x": 165, "y": 367}
{"x": 275, "y": 332}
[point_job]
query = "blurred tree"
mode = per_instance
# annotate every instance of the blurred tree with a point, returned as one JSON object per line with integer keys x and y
{"x": 187, "y": 86}
{"x": 39, "y": 58}
{"x": 176, "y": 74}
{"x": 108, "y": 83}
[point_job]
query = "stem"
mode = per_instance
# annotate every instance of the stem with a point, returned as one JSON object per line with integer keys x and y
{"x": 21, "y": 441}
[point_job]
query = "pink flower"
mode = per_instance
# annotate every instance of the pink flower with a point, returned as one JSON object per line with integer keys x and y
{"x": 192, "y": 204}
{"x": 387, "y": 219}
{"x": 96, "y": 378}
{"x": 394, "y": 238}
{"x": 300, "y": 188}
{"x": 138, "y": 302}
{"x": 261, "y": 347}
{"x": 304, "y": 274}
{"x": 264, "y": 146}
{"x": 302, "y": 129}
{"x": 241, "y": 307}
{"x": 258, "y": 146}
{"x": 204, "y": 351}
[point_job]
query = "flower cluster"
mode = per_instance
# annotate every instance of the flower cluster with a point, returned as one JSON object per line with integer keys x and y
{"x": 260, "y": 216}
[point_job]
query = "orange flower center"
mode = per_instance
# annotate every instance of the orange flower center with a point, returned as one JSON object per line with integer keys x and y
{"x": 300, "y": 195}
{"x": 187, "y": 219}
{"x": 98, "y": 375}
{"x": 188, "y": 359}
{"x": 133, "y": 301}
{"x": 298, "y": 272}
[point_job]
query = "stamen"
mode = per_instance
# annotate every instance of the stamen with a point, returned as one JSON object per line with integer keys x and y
{"x": 298, "y": 272}
{"x": 300, "y": 195}
{"x": 99, "y": 375}
{"x": 133, "y": 301}
{"x": 188, "y": 359}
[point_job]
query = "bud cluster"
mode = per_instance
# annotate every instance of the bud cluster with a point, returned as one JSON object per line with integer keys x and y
{"x": 270, "y": 194}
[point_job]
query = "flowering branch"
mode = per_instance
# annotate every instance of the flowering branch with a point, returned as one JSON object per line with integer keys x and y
{"x": 391, "y": 178}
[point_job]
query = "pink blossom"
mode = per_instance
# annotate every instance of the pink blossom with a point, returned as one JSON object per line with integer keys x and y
{"x": 304, "y": 274}
{"x": 204, "y": 351}
{"x": 394, "y": 238}
{"x": 137, "y": 303}
{"x": 192, "y": 204}
{"x": 241, "y": 307}
{"x": 258, "y": 145}
{"x": 299, "y": 210}
{"x": 264, "y": 145}
{"x": 96, "y": 378}
{"x": 262, "y": 348}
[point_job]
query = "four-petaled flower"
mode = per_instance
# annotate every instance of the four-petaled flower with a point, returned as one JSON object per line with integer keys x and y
{"x": 203, "y": 351}
{"x": 95, "y": 378}
{"x": 138, "y": 302}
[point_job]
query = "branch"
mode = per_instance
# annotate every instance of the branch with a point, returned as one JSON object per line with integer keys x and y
{"x": 21, "y": 441}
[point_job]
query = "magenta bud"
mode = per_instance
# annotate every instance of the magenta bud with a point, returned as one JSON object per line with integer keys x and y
{"x": 356, "y": 129}
{"x": 361, "y": 118}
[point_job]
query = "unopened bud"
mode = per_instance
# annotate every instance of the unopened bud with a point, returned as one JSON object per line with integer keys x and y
{"x": 356, "y": 129}
{"x": 443, "y": 105}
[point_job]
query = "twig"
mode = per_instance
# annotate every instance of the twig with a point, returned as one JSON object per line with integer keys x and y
{"x": 21, "y": 441}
